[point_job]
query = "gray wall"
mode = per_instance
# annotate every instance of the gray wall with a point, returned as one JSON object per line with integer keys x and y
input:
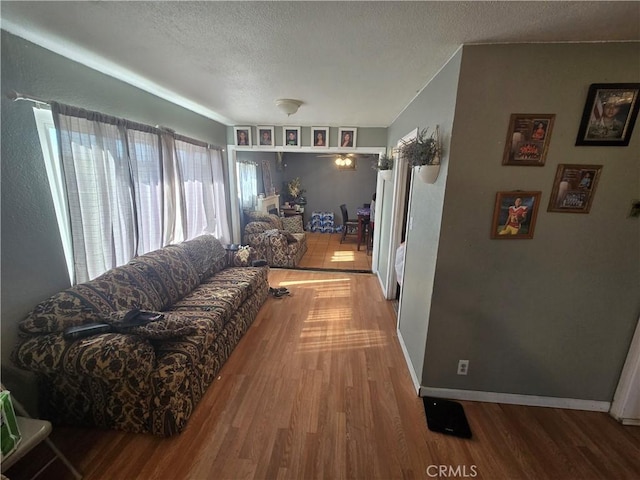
{"x": 33, "y": 265}
{"x": 434, "y": 106}
{"x": 552, "y": 316}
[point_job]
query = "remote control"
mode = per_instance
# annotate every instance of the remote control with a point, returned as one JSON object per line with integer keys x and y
{"x": 81, "y": 331}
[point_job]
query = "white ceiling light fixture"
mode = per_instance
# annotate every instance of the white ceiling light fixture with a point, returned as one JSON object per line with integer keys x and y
{"x": 345, "y": 163}
{"x": 288, "y": 105}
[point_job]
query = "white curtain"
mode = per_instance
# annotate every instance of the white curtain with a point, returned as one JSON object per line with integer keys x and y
{"x": 99, "y": 192}
{"x": 205, "y": 207}
{"x": 144, "y": 152}
{"x": 132, "y": 188}
{"x": 247, "y": 184}
{"x": 222, "y": 231}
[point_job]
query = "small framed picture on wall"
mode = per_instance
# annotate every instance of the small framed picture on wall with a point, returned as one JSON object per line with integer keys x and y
{"x": 243, "y": 136}
{"x": 574, "y": 188}
{"x": 514, "y": 215}
{"x": 347, "y": 137}
{"x": 265, "y": 136}
{"x": 291, "y": 136}
{"x": 320, "y": 137}
{"x": 528, "y": 139}
{"x": 609, "y": 114}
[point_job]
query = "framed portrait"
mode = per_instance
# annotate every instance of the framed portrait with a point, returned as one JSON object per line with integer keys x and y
{"x": 528, "y": 139}
{"x": 347, "y": 137}
{"x": 320, "y": 137}
{"x": 242, "y": 136}
{"x": 514, "y": 215}
{"x": 291, "y": 136}
{"x": 265, "y": 136}
{"x": 574, "y": 188}
{"x": 609, "y": 114}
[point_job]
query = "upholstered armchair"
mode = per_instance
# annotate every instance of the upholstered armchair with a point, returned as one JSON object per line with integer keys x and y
{"x": 280, "y": 241}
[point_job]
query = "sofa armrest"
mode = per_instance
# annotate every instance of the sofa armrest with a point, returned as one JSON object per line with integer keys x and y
{"x": 110, "y": 356}
{"x": 40, "y": 353}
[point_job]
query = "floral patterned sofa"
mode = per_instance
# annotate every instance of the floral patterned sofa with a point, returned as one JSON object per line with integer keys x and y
{"x": 280, "y": 241}
{"x": 148, "y": 378}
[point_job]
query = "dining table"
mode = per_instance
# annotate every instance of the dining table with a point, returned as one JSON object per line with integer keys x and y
{"x": 364, "y": 215}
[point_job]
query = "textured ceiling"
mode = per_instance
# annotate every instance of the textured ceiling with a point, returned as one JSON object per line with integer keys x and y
{"x": 351, "y": 63}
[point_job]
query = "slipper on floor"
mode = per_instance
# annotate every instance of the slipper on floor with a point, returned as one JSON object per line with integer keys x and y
{"x": 279, "y": 289}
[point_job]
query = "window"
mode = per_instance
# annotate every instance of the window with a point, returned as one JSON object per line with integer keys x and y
{"x": 49, "y": 145}
{"x": 247, "y": 184}
{"x": 123, "y": 189}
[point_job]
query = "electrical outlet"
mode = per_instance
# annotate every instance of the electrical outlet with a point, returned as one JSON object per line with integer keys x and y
{"x": 463, "y": 367}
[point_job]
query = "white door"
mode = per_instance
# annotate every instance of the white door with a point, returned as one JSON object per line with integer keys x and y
{"x": 626, "y": 401}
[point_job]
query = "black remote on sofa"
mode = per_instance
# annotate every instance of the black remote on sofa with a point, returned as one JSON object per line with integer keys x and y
{"x": 81, "y": 331}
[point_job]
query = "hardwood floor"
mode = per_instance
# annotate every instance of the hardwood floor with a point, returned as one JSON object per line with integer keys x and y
{"x": 326, "y": 251}
{"x": 318, "y": 388}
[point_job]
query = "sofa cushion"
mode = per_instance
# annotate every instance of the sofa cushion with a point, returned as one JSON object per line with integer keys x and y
{"x": 275, "y": 233}
{"x": 170, "y": 271}
{"x": 224, "y": 299}
{"x": 253, "y": 277}
{"x": 122, "y": 288}
{"x": 254, "y": 216}
{"x": 206, "y": 253}
{"x": 170, "y": 325}
{"x": 293, "y": 224}
{"x": 257, "y": 227}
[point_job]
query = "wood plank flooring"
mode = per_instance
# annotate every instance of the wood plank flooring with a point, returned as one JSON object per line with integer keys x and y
{"x": 318, "y": 388}
{"x": 326, "y": 251}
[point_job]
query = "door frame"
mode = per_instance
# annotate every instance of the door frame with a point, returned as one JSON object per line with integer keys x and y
{"x": 397, "y": 215}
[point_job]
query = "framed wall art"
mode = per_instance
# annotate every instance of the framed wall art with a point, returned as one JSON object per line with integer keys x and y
{"x": 528, "y": 139}
{"x": 291, "y": 136}
{"x": 574, "y": 188}
{"x": 514, "y": 215}
{"x": 609, "y": 114}
{"x": 265, "y": 136}
{"x": 347, "y": 137}
{"x": 320, "y": 137}
{"x": 242, "y": 136}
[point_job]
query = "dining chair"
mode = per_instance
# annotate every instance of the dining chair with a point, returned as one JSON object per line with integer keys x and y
{"x": 349, "y": 227}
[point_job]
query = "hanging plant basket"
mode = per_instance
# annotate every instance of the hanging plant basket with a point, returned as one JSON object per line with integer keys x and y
{"x": 423, "y": 152}
{"x": 428, "y": 173}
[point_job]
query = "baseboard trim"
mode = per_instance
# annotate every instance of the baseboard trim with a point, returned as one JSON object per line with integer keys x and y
{"x": 407, "y": 359}
{"x": 516, "y": 399}
{"x": 631, "y": 422}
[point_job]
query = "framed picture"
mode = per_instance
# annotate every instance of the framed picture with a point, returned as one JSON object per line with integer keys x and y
{"x": 242, "y": 135}
{"x": 265, "y": 136}
{"x": 514, "y": 215}
{"x": 573, "y": 188}
{"x": 320, "y": 137}
{"x": 347, "y": 137}
{"x": 528, "y": 139}
{"x": 291, "y": 136}
{"x": 609, "y": 114}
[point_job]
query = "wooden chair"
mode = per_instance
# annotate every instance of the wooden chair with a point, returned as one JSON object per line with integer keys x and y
{"x": 349, "y": 227}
